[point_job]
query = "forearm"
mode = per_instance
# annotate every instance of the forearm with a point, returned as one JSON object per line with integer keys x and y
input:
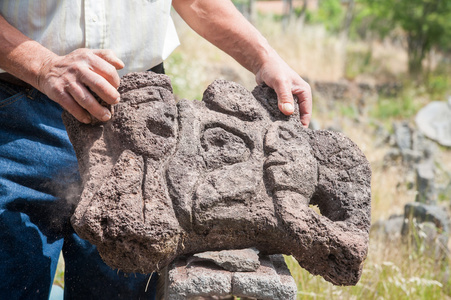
{"x": 219, "y": 22}
{"x": 21, "y": 56}
{"x": 69, "y": 79}
{"x": 222, "y": 24}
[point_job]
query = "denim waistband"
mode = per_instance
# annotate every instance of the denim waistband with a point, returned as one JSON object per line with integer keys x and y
{"x": 6, "y": 77}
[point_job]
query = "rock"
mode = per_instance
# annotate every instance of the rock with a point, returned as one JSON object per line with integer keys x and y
{"x": 183, "y": 282}
{"x": 434, "y": 121}
{"x": 391, "y": 228}
{"x": 162, "y": 179}
{"x": 271, "y": 281}
{"x": 403, "y": 136}
{"x": 425, "y": 146}
{"x": 392, "y": 89}
{"x": 427, "y": 227}
{"x": 244, "y": 260}
{"x": 331, "y": 90}
{"x": 427, "y": 213}
{"x": 382, "y": 136}
{"x": 427, "y": 238}
{"x": 410, "y": 145}
{"x": 426, "y": 183}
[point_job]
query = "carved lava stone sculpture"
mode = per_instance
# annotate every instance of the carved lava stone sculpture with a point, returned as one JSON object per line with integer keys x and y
{"x": 162, "y": 179}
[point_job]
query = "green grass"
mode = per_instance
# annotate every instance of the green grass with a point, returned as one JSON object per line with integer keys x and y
{"x": 59, "y": 275}
{"x": 185, "y": 76}
{"x": 404, "y": 106}
{"x": 392, "y": 271}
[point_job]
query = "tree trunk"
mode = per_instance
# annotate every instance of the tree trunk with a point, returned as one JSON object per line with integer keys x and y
{"x": 252, "y": 11}
{"x": 349, "y": 16}
{"x": 301, "y": 18}
{"x": 287, "y": 12}
{"x": 416, "y": 53}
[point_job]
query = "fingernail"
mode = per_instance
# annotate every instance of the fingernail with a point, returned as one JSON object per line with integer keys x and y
{"x": 288, "y": 107}
{"x": 117, "y": 100}
{"x": 106, "y": 116}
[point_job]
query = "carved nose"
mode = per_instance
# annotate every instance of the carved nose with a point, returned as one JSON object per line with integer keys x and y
{"x": 271, "y": 139}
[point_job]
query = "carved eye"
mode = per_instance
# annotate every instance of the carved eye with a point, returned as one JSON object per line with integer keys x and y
{"x": 222, "y": 147}
{"x": 162, "y": 124}
{"x": 285, "y": 134}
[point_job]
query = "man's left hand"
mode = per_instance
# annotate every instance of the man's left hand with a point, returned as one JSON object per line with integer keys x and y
{"x": 287, "y": 83}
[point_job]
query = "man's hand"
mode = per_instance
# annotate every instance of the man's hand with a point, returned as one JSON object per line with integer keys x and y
{"x": 224, "y": 26}
{"x": 286, "y": 83}
{"x": 69, "y": 80}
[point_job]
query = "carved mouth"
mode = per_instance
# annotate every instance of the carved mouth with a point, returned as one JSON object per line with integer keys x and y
{"x": 273, "y": 161}
{"x": 291, "y": 198}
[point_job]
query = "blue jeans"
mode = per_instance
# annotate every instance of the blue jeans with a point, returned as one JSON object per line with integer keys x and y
{"x": 39, "y": 184}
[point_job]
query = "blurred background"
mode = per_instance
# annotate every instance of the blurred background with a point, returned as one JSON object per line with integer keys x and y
{"x": 380, "y": 72}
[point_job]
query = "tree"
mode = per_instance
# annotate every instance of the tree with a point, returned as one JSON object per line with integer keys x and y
{"x": 427, "y": 24}
{"x": 330, "y": 13}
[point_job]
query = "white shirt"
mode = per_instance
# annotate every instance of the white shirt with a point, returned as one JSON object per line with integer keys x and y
{"x": 140, "y": 32}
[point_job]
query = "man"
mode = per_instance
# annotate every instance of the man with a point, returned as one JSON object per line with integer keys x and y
{"x": 54, "y": 54}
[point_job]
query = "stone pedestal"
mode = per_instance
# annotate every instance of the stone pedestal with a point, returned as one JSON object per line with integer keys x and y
{"x": 163, "y": 179}
{"x": 205, "y": 280}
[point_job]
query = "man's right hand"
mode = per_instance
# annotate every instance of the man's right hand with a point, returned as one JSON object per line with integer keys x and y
{"x": 69, "y": 80}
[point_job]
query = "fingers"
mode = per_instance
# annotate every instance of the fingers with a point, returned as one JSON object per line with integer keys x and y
{"x": 101, "y": 75}
{"x": 284, "y": 97}
{"x": 287, "y": 83}
{"x": 67, "y": 101}
{"x": 72, "y": 79}
{"x": 300, "y": 89}
{"x": 107, "y": 66}
{"x": 100, "y": 86}
{"x": 86, "y": 100}
{"x": 304, "y": 95}
{"x": 110, "y": 57}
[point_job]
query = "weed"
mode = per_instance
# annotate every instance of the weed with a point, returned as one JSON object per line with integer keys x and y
{"x": 404, "y": 106}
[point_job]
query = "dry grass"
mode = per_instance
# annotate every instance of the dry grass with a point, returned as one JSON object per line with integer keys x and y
{"x": 392, "y": 270}
{"x": 310, "y": 51}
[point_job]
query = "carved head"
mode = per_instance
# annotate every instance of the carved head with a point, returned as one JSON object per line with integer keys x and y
{"x": 227, "y": 172}
{"x": 146, "y": 119}
{"x": 234, "y": 156}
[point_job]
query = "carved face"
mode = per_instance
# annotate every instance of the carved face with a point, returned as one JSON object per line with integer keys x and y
{"x": 146, "y": 121}
{"x": 289, "y": 163}
{"x": 240, "y": 174}
{"x": 238, "y": 159}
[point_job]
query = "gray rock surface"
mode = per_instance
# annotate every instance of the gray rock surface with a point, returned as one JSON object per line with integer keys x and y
{"x": 411, "y": 145}
{"x": 163, "y": 179}
{"x": 271, "y": 281}
{"x": 427, "y": 226}
{"x": 242, "y": 260}
{"x": 426, "y": 183}
{"x": 434, "y": 121}
{"x": 427, "y": 213}
{"x": 403, "y": 136}
{"x": 390, "y": 228}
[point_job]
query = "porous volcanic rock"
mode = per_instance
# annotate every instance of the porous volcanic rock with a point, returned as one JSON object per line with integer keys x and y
{"x": 270, "y": 281}
{"x": 162, "y": 179}
{"x": 242, "y": 260}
